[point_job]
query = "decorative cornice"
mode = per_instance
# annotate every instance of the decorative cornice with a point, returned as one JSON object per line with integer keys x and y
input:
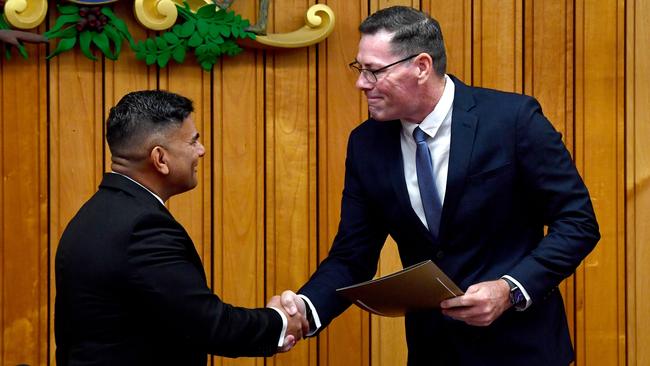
{"x": 25, "y": 14}
{"x": 202, "y": 27}
{"x": 162, "y": 14}
{"x": 319, "y": 24}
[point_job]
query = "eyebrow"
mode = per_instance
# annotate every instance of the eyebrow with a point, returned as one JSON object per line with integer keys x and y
{"x": 369, "y": 66}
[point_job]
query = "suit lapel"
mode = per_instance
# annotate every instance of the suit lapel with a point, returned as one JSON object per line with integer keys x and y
{"x": 463, "y": 130}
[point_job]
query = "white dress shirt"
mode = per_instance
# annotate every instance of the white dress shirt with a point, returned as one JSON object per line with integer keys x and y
{"x": 437, "y": 126}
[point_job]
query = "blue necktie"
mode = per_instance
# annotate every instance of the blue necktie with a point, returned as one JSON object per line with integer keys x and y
{"x": 428, "y": 191}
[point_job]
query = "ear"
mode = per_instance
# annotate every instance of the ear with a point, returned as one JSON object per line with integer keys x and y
{"x": 158, "y": 157}
{"x": 424, "y": 64}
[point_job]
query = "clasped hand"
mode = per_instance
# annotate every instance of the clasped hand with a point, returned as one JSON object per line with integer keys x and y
{"x": 294, "y": 309}
{"x": 481, "y": 304}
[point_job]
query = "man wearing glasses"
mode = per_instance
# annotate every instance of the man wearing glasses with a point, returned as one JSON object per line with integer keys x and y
{"x": 466, "y": 177}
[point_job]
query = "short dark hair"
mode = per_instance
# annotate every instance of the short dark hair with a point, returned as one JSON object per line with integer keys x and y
{"x": 141, "y": 114}
{"x": 413, "y": 31}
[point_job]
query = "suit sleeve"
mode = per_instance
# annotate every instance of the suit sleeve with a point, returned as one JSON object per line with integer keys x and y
{"x": 560, "y": 199}
{"x": 356, "y": 248}
{"x": 168, "y": 281}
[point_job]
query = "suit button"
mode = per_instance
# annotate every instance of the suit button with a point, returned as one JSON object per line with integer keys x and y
{"x": 440, "y": 254}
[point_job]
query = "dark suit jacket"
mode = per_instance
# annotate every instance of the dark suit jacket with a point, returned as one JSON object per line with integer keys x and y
{"x": 509, "y": 176}
{"x": 131, "y": 290}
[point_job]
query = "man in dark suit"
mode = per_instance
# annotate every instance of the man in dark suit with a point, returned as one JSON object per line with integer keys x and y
{"x": 130, "y": 286}
{"x": 466, "y": 177}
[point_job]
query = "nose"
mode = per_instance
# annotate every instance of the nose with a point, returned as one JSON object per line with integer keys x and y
{"x": 363, "y": 83}
{"x": 201, "y": 149}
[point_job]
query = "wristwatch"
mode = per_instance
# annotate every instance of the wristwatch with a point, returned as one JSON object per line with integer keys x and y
{"x": 516, "y": 296}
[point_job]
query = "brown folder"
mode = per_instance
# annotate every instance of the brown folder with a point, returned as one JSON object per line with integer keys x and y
{"x": 418, "y": 287}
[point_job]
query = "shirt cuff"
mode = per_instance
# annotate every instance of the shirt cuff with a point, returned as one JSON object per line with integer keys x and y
{"x": 529, "y": 301}
{"x": 284, "y": 326}
{"x": 314, "y": 313}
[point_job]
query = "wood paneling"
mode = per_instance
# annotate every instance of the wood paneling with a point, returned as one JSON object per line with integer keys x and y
{"x": 548, "y": 66}
{"x": 638, "y": 182}
{"x": 237, "y": 156}
{"x": 275, "y": 126}
{"x": 455, "y": 18}
{"x": 599, "y": 154}
{"x": 23, "y": 210}
{"x": 342, "y": 107}
{"x": 498, "y": 45}
{"x": 76, "y": 142}
{"x": 290, "y": 127}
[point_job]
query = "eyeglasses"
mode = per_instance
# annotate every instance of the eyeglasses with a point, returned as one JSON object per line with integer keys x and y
{"x": 371, "y": 75}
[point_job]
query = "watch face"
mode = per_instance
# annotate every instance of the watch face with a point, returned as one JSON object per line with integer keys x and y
{"x": 517, "y": 297}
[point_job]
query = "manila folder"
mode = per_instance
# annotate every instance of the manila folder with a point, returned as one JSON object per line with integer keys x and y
{"x": 418, "y": 287}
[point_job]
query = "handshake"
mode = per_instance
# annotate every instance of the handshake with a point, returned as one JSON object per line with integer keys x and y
{"x": 295, "y": 310}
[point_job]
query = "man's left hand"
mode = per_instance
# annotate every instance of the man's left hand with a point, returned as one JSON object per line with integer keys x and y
{"x": 481, "y": 304}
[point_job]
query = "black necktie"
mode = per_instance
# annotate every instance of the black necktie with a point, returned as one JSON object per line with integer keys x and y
{"x": 428, "y": 191}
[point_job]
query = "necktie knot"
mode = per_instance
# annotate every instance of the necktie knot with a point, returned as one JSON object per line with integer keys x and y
{"x": 419, "y": 136}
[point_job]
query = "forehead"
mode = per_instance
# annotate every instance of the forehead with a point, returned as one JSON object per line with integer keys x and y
{"x": 375, "y": 49}
{"x": 186, "y": 129}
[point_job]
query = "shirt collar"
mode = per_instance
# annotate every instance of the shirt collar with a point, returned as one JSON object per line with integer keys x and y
{"x": 432, "y": 122}
{"x": 138, "y": 183}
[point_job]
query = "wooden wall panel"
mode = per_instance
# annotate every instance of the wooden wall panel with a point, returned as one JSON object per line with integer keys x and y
{"x": 548, "y": 70}
{"x": 638, "y": 182}
{"x": 238, "y": 180}
{"x": 342, "y": 107}
{"x": 599, "y": 155}
{"x": 76, "y": 145}
{"x": 238, "y": 166}
{"x": 455, "y": 18}
{"x": 275, "y": 126}
{"x": 23, "y": 209}
{"x": 498, "y": 46}
{"x": 290, "y": 164}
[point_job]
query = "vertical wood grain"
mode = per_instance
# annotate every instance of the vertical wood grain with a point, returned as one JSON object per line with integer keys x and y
{"x": 548, "y": 65}
{"x": 342, "y": 107}
{"x": 23, "y": 209}
{"x": 238, "y": 180}
{"x": 638, "y": 182}
{"x": 455, "y": 18}
{"x": 599, "y": 155}
{"x": 498, "y": 44}
{"x": 238, "y": 170}
{"x": 275, "y": 126}
{"x": 290, "y": 163}
{"x": 76, "y": 145}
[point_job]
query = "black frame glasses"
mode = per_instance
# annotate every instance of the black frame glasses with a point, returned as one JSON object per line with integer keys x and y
{"x": 371, "y": 75}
